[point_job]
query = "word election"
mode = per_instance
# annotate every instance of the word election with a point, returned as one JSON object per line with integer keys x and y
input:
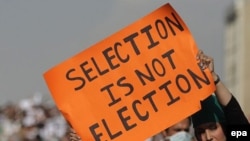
{"x": 120, "y": 51}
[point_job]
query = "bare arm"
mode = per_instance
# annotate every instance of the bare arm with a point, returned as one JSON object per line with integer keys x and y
{"x": 222, "y": 92}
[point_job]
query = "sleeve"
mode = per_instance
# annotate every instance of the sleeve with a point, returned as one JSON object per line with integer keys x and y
{"x": 234, "y": 114}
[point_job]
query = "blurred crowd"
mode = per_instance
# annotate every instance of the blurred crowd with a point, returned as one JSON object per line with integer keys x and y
{"x": 32, "y": 119}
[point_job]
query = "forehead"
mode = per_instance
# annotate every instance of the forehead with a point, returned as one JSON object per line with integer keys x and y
{"x": 182, "y": 124}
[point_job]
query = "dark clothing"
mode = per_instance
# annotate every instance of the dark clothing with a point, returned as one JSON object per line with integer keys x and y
{"x": 230, "y": 116}
{"x": 234, "y": 118}
{"x": 234, "y": 114}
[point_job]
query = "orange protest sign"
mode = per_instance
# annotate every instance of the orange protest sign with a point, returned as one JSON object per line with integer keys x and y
{"x": 134, "y": 83}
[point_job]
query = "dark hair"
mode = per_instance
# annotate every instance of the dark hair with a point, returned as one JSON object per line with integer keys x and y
{"x": 223, "y": 126}
{"x": 211, "y": 111}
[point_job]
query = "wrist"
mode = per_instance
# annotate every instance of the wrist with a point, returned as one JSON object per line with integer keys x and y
{"x": 216, "y": 79}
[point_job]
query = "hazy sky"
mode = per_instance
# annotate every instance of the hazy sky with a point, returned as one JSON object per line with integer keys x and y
{"x": 36, "y": 35}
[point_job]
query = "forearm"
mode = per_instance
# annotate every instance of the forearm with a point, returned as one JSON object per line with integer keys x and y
{"x": 222, "y": 93}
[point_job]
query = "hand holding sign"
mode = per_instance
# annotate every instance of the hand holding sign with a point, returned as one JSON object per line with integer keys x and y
{"x": 140, "y": 77}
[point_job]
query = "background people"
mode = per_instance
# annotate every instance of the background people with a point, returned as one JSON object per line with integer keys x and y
{"x": 177, "y": 132}
{"x": 30, "y": 120}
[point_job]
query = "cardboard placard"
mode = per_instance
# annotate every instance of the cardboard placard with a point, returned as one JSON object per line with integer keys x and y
{"x": 134, "y": 83}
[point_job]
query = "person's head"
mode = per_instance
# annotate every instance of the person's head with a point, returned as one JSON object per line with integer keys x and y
{"x": 183, "y": 125}
{"x": 210, "y": 131}
{"x": 209, "y": 122}
{"x": 178, "y": 131}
